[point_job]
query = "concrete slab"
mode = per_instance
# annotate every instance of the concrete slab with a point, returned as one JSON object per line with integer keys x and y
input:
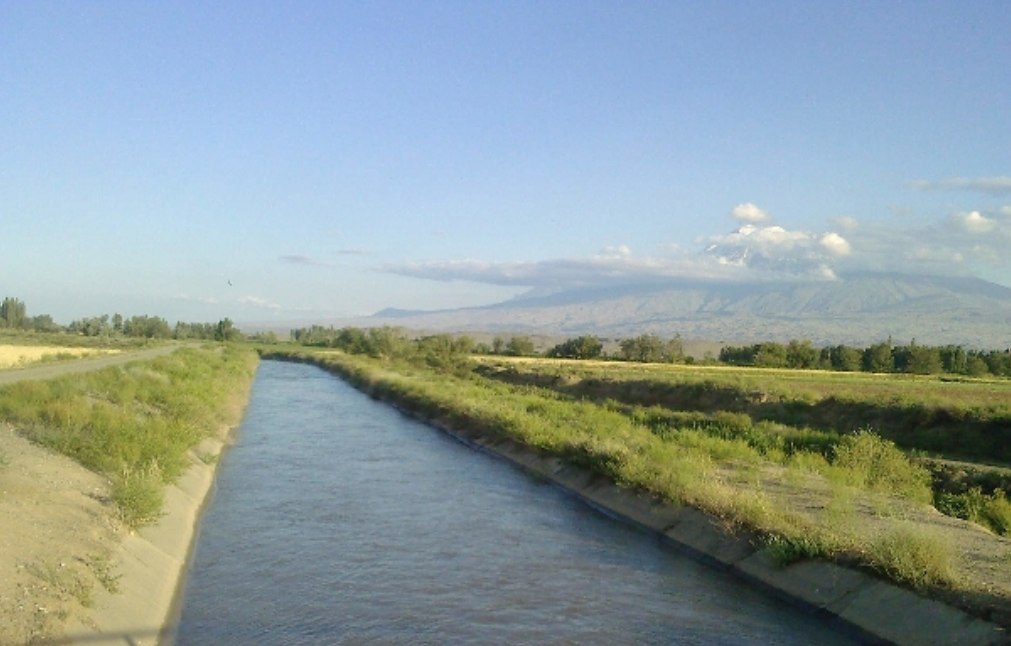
{"x": 905, "y": 618}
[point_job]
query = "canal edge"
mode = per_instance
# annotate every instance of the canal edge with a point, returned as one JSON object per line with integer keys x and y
{"x": 153, "y": 562}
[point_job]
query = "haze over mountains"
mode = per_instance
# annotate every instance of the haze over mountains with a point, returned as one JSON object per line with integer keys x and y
{"x": 855, "y": 309}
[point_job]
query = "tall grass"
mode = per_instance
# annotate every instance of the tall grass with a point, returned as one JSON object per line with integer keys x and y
{"x": 133, "y": 423}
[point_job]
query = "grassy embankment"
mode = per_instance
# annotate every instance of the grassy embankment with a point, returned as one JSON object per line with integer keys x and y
{"x": 745, "y": 446}
{"x": 133, "y": 423}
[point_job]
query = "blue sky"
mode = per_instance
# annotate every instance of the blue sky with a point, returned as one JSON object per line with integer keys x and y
{"x": 335, "y": 158}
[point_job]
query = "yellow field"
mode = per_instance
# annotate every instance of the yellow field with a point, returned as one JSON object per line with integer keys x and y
{"x": 16, "y": 356}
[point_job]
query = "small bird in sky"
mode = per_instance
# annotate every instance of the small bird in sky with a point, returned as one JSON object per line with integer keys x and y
{"x": 229, "y": 283}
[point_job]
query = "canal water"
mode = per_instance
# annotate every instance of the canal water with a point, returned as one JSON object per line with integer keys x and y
{"x": 337, "y": 520}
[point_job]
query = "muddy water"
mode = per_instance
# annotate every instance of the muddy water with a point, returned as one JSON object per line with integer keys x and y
{"x": 339, "y": 521}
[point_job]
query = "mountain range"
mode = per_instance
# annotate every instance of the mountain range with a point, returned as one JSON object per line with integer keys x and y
{"x": 856, "y": 309}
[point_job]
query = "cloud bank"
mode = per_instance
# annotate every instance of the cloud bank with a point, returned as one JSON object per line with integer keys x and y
{"x": 962, "y": 243}
{"x": 753, "y": 252}
{"x": 989, "y": 185}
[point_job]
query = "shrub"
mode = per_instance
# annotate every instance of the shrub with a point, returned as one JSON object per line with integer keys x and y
{"x": 876, "y": 464}
{"x": 914, "y": 557}
{"x": 138, "y": 495}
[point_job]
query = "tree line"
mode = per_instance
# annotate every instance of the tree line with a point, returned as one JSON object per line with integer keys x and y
{"x": 911, "y": 358}
{"x": 14, "y": 316}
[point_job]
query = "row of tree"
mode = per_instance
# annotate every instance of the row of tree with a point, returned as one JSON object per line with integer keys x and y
{"x": 14, "y": 315}
{"x": 911, "y": 358}
{"x": 887, "y": 356}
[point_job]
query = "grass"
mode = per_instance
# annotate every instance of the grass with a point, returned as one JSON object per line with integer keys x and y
{"x": 134, "y": 423}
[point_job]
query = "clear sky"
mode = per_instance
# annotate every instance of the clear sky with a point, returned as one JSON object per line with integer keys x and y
{"x": 298, "y": 160}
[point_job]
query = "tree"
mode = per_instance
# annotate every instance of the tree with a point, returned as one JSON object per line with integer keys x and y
{"x": 649, "y": 348}
{"x": 878, "y": 358}
{"x": 44, "y": 323}
{"x": 923, "y": 360}
{"x": 226, "y": 331}
{"x": 771, "y": 355}
{"x": 13, "y": 314}
{"x": 148, "y": 327}
{"x": 800, "y": 354}
{"x": 582, "y": 347}
{"x": 94, "y": 326}
{"x": 845, "y": 358}
{"x": 520, "y": 346}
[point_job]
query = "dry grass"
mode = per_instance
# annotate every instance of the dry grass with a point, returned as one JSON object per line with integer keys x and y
{"x": 16, "y": 356}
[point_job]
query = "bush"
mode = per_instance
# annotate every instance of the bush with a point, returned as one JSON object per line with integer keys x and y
{"x": 138, "y": 495}
{"x": 876, "y": 464}
{"x": 914, "y": 557}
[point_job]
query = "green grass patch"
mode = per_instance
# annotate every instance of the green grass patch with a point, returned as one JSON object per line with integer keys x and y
{"x": 134, "y": 423}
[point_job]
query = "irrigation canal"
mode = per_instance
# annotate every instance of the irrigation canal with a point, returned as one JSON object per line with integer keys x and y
{"x": 337, "y": 520}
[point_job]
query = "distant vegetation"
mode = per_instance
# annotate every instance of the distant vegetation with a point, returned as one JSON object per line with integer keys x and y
{"x": 884, "y": 357}
{"x": 14, "y": 319}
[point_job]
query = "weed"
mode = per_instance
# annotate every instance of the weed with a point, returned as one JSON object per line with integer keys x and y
{"x": 786, "y": 550}
{"x": 138, "y": 495}
{"x": 208, "y": 457}
{"x": 65, "y": 581}
{"x": 102, "y": 568}
{"x": 876, "y": 464}
{"x": 913, "y": 556}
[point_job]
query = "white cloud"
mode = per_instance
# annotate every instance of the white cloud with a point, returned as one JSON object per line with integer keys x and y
{"x": 622, "y": 251}
{"x": 846, "y": 222}
{"x": 303, "y": 260}
{"x": 972, "y": 222}
{"x": 835, "y": 244}
{"x": 990, "y": 185}
{"x": 590, "y": 271}
{"x": 780, "y": 251}
{"x": 256, "y": 301}
{"x": 183, "y": 296}
{"x": 957, "y": 245}
{"x": 748, "y": 212}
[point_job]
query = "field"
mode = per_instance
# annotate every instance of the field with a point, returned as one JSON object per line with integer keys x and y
{"x": 805, "y": 463}
{"x": 17, "y": 356}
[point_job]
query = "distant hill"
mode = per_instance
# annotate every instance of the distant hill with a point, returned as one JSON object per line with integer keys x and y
{"x": 858, "y": 309}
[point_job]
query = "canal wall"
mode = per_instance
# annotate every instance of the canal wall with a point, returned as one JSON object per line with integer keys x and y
{"x": 856, "y": 603}
{"x": 151, "y": 563}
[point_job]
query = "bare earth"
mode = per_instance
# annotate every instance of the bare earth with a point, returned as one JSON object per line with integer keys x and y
{"x": 58, "y": 529}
